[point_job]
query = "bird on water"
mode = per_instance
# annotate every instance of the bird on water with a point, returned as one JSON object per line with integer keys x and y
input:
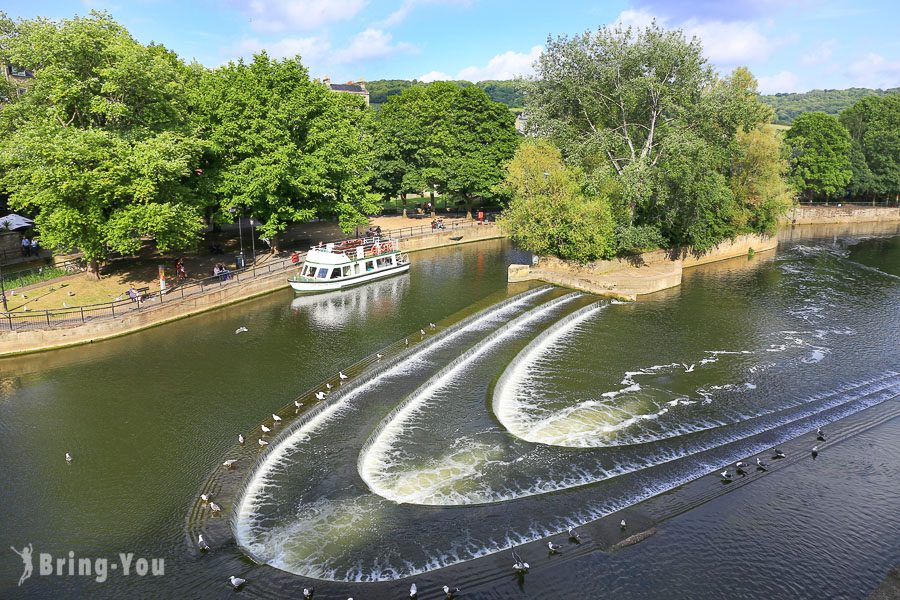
{"x": 308, "y": 593}
{"x": 815, "y": 451}
{"x": 450, "y": 592}
{"x": 623, "y": 524}
{"x": 204, "y": 547}
{"x": 413, "y": 591}
{"x": 229, "y": 463}
{"x": 68, "y": 458}
{"x": 240, "y": 330}
{"x": 236, "y": 582}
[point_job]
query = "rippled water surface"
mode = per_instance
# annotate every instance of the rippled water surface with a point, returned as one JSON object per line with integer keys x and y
{"x": 526, "y": 411}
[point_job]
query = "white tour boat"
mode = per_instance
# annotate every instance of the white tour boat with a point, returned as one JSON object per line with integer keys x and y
{"x": 337, "y": 265}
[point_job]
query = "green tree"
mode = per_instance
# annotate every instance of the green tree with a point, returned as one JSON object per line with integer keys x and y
{"x": 820, "y": 155}
{"x": 758, "y": 179}
{"x": 874, "y": 126}
{"x": 284, "y": 148}
{"x": 549, "y": 214}
{"x": 440, "y": 136}
{"x": 100, "y": 147}
{"x": 642, "y": 107}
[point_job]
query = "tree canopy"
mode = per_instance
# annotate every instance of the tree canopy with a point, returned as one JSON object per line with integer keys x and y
{"x": 874, "y": 127}
{"x": 820, "y": 155}
{"x": 651, "y": 127}
{"x": 439, "y": 136}
{"x": 100, "y": 148}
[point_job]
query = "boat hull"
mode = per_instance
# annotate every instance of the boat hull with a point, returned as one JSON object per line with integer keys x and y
{"x": 312, "y": 287}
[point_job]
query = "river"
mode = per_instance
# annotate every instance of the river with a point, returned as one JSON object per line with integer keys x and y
{"x": 524, "y": 411}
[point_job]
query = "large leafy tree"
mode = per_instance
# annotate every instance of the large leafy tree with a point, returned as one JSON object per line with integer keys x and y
{"x": 444, "y": 137}
{"x": 100, "y": 147}
{"x": 874, "y": 126}
{"x": 820, "y": 155}
{"x": 549, "y": 213}
{"x": 643, "y": 108}
{"x": 284, "y": 148}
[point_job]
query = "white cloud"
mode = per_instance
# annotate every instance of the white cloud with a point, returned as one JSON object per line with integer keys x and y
{"x": 874, "y": 70}
{"x": 370, "y": 44}
{"x": 435, "y": 76}
{"x": 721, "y": 10}
{"x": 725, "y": 43}
{"x": 783, "y": 81}
{"x": 311, "y": 49}
{"x": 503, "y": 66}
{"x": 819, "y": 54}
{"x": 286, "y": 15}
{"x": 400, "y": 15}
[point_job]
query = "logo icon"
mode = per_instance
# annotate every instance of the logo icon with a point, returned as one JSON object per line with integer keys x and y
{"x": 26, "y": 561}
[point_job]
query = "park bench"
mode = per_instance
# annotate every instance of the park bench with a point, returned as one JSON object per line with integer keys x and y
{"x": 142, "y": 292}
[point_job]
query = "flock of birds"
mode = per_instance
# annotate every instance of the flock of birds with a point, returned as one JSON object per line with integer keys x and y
{"x": 741, "y": 467}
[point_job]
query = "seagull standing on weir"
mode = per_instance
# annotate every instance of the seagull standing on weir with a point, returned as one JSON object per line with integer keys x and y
{"x": 308, "y": 593}
{"x": 815, "y": 451}
{"x": 623, "y": 524}
{"x": 450, "y": 592}
{"x": 726, "y": 476}
{"x": 241, "y": 439}
{"x": 297, "y": 403}
{"x": 379, "y": 356}
{"x": 320, "y": 395}
{"x": 265, "y": 429}
{"x": 761, "y": 465}
{"x": 413, "y": 591}
{"x": 432, "y": 325}
{"x": 205, "y": 497}
{"x": 229, "y": 463}
{"x": 342, "y": 376}
{"x": 573, "y": 536}
{"x": 236, "y": 582}
{"x": 820, "y": 435}
{"x": 204, "y": 547}
{"x": 68, "y": 458}
{"x": 262, "y": 442}
{"x": 328, "y": 386}
{"x": 554, "y": 548}
{"x": 520, "y": 566}
{"x": 276, "y": 418}
{"x": 215, "y": 507}
{"x": 778, "y": 453}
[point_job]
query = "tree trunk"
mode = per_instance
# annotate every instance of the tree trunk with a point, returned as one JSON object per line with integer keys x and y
{"x": 94, "y": 268}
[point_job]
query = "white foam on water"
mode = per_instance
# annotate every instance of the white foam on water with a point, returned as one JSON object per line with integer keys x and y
{"x": 254, "y": 494}
{"x": 376, "y": 458}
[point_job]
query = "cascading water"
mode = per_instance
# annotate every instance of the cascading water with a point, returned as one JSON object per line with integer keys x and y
{"x": 603, "y": 404}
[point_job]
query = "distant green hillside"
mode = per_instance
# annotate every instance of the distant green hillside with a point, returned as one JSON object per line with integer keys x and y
{"x": 789, "y": 106}
{"x": 506, "y": 92}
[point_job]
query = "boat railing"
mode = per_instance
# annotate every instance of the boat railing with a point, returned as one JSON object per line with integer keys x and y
{"x": 360, "y": 247}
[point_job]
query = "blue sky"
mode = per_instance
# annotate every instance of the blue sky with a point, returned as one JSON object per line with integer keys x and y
{"x": 790, "y": 45}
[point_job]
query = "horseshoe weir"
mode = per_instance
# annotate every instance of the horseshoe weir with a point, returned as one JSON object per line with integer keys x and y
{"x": 550, "y": 409}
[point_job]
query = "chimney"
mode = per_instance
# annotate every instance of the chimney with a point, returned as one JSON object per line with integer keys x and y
{"x": 327, "y": 80}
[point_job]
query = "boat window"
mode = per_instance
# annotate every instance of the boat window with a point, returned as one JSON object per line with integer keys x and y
{"x": 310, "y": 271}
{"x": 336, "y": 273}
{"x": 370, "y": 265}
{"x": 323, "y": 273}
{"x": 346, "y": 271}
{"x": 356, "y": 268}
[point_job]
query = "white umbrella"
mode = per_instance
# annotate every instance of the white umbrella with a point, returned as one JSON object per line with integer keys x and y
{"x": 14, "y": 221}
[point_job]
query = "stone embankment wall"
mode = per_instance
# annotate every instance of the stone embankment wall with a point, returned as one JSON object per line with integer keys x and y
{"x": 637, "y": 275}
{"x": 806, "y": 215}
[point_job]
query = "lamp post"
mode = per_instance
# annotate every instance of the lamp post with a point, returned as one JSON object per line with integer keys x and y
{"x": 233, "y": 210}
{"x": 253, "y": 241}
{"x": 3, "y": 291}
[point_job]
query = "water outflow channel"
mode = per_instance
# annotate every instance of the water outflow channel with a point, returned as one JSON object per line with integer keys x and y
{"x": 551, "y": 409}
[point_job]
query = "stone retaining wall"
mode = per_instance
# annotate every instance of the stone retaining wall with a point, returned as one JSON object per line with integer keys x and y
{"x": 641, "y": 274}
{"x": 805, "y": 215}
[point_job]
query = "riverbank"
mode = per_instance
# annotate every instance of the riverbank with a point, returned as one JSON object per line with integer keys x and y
{"x": 17, "y": 342}
{"x": 813, "y": 215}
{"x": 629, "y": 277}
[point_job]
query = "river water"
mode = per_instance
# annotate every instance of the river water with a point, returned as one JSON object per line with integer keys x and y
{"x": 526, "y": 410}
